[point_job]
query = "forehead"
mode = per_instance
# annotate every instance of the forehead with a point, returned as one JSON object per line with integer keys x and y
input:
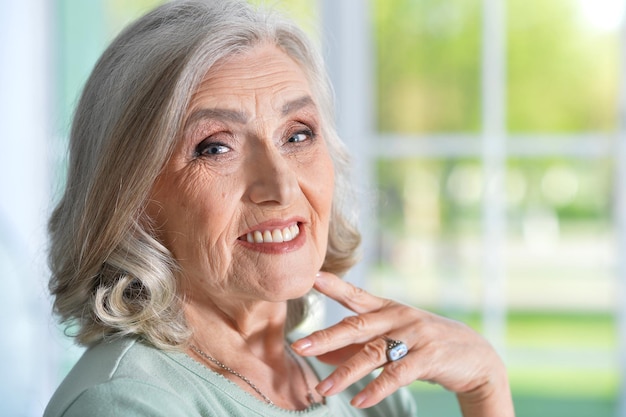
{"x": 265, "y": 69}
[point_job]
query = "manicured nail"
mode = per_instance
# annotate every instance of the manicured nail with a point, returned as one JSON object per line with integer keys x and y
{"x": 324, "y": 386}
{"x": 358, "y": 400}
{"x": 301, "y": 345}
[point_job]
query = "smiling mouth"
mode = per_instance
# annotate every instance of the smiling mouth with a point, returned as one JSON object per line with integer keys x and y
{"x": 285, "y": 234}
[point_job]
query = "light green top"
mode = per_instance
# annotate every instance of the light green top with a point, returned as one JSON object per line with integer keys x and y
{"x": 125, "y": 377}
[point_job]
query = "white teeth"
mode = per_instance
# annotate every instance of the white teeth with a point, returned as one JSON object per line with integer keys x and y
{"x": 274, "y": 236}
{"x": 277, "y": 236}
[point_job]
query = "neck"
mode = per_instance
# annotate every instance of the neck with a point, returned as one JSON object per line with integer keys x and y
{"x": 251, "y": 341}
{"x": 257, "y": 328}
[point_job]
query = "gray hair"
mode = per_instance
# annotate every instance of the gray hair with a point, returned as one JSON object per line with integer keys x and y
{"x": 110, "y": 275}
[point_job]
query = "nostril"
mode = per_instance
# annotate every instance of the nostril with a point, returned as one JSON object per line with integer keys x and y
{"x": 272, "y": 181}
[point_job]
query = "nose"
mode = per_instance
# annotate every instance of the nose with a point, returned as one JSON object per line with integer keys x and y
{"x": 271, "y": 179}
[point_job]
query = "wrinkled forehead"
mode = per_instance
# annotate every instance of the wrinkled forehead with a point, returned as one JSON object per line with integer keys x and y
{"x": 263, "y": 72}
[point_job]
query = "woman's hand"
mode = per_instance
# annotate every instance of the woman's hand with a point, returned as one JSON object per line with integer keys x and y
{"x": 441, "y": 351}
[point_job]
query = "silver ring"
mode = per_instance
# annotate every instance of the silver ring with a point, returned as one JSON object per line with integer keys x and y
{"x": 395, "y": 349}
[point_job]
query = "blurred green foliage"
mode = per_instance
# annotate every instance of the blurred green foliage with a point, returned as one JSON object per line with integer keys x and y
{"x": 427, "y": 65}
{"x": 562, "y": 73}
{"x": 562, "y": 76}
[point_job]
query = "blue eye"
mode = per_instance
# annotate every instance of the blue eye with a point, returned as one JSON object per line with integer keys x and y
{"x": 300, "y": 136}
{"x": 206, "y": 148}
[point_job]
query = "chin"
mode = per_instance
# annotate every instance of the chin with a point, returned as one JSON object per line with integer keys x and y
{"x": 290, "y": 288}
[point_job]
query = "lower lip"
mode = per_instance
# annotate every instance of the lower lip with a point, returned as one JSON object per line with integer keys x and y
{"x": 277, "y": 248}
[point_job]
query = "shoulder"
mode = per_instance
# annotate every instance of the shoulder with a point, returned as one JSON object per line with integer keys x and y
{"x": 117, "y": 375}
{"x": 124, "y": 397}
{"x": 129, "y": 378}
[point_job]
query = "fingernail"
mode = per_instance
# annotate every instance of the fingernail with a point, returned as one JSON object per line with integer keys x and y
{"x": 301, "y": 345}
{"x": 358, "y": 400}
{"x": 324, "y": 386}
{"x": 321, "y": 280}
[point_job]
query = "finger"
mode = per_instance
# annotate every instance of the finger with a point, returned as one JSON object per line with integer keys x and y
{"x": 394, "y": 376}
{"x": 357, "y": 329}
{"x": 348, "y": 295}
{"x": 339, "y": 356}
{"x": 370, "y": 357}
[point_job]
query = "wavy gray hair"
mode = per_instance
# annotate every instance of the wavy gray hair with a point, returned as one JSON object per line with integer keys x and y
{"x": 110, "y": 275}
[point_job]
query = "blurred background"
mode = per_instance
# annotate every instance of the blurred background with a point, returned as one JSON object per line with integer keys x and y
{"x": 489, "y": 141}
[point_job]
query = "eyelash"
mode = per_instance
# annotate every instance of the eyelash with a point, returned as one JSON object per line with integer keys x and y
{"x": 310, "y": 135}
{"x": 208, "y": 143}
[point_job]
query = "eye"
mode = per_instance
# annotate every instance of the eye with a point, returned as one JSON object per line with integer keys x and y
{"x": 301, "y": 136}
{"x": 208, "y": 148}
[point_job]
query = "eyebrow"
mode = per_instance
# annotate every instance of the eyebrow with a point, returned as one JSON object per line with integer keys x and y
{"x": 217, "y": 113}
{"x": 297, "y": 104}
{"x": 241, "y": 117}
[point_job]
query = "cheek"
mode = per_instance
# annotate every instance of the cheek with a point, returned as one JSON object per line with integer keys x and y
{"x": 320, "y": 184}
{"x": 188, "y": 206}
{"x": 206, "y": 208}
{"x": 327, "y": 180}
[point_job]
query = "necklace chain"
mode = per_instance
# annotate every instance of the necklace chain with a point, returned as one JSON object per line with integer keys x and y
{"x": 309, "y": 396}
{"x": 309, "y": 393}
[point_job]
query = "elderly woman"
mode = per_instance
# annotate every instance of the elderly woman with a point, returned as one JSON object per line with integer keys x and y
{"x": 205, "y": 200}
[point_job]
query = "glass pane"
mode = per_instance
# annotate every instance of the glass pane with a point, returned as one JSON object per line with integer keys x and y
{"x": 427, "y": 65}
{"x": 561, "y": 284}
{"x": 560, "y": 259}
{"x": 429, "y": 235}
{"x": 563, "y": 64}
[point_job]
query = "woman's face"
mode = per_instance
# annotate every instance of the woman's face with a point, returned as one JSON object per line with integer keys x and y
{"x": 244, "y": 202}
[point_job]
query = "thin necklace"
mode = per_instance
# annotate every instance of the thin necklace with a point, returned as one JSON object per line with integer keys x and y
{"x": 309, "y": 396}
{"x": 309, "y": 393}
